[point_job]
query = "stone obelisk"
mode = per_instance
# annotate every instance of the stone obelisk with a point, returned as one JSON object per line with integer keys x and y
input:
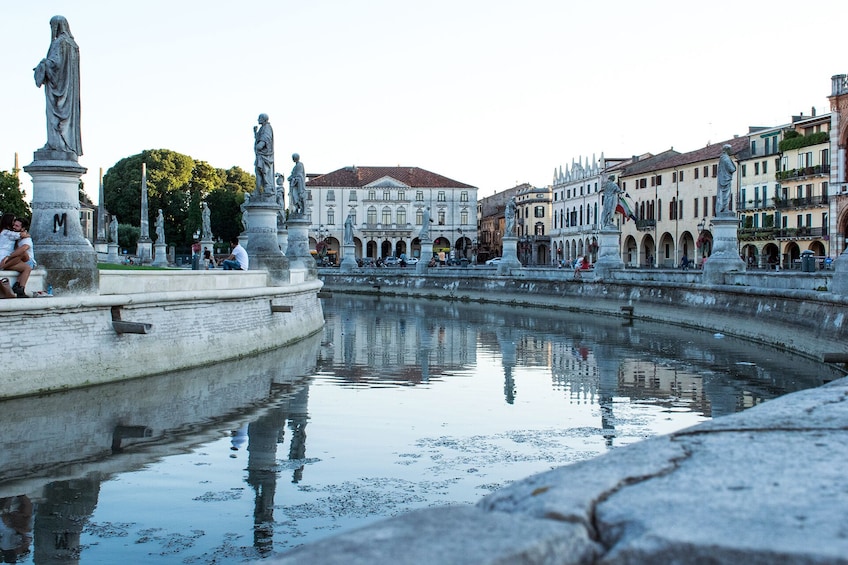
{"x": 100, "y": 243}
{"x": 144, "y": 250}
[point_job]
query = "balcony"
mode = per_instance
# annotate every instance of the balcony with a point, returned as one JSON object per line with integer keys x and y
{"x": 802, "y": 233}
{"x": 803, "y": 172}
{"x": 756, "y": 234}
{"x": 646, "y": 225}
{"x": 757, "y": 204}
{"x": 804, "y": 202}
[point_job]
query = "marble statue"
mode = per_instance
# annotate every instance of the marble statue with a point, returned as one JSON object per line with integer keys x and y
{"x": 160, "y": 228}
{"x": 206, "y": 224}
{"x": 611, "y": 192}
{"x": 726, "y": 168}
{"x": 424, "y": 234}
{"x": 509, "y": 218}
{"x": 297, "y": 187}
{"x": 59, "y": 73}
{"x": 281, "y": 200}
{"x": 263, "y": 146}
{"x": 113, "y": 229}
{"x": 348, "y": 229}
{"x": 243, "y": 208}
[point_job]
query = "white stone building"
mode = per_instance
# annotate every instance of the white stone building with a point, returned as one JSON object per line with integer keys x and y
{"x": 389, "y": 205}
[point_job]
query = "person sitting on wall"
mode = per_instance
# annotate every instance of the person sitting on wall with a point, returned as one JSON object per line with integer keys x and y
{"x": 684, "y": 262}
{"x": 237, "y": 261}
{"x": 208, "y": 259}
{"x": 582, "y": 265}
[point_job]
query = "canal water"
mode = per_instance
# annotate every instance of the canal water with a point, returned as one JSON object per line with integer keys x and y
{"x": 395, "y": 405}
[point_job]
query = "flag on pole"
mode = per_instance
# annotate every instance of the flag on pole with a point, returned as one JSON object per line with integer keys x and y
{"x": 624, "y": 207}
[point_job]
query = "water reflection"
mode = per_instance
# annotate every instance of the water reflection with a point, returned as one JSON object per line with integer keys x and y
{"x": 408, "y": 403}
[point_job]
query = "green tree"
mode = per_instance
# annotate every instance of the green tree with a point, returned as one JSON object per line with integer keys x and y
{"x": 12, "y": 196}
{"x": 128, "y": 237}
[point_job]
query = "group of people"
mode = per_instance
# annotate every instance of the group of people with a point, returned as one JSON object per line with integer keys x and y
{"x": 16, "y": 251}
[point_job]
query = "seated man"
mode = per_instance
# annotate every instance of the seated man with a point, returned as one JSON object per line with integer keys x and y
{"x": 21, "y": 259}
{"x": 237, "y": 261}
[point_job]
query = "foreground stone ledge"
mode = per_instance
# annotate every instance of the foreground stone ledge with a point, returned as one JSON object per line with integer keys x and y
{"x": 766, "y": 485}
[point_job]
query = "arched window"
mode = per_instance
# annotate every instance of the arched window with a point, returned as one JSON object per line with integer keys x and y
{"x": 387, "y": 216}
{"x": 401, "y": 216}
{"x": 419, "y": 217}
{"x": 372, "y": 215}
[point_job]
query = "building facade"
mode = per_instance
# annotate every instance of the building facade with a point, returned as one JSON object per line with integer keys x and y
{"x": 388, "y": 206}
{"x": 491, "y": 223}
{"x": 533, "y": 225}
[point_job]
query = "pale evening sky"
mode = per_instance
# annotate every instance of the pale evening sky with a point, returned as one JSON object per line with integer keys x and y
{"x": 486, "y": 92}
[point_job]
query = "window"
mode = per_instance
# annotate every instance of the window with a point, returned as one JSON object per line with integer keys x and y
{"x": 680, "y": 210}
{"x": 441, "y": 217}
{"x": 744, "y": 172}
{"x": 809, "y": 219}
{"x": 659, "y": 209}
{"x": 387, "y": 216}
{"x": 463, "y": 217}
{"x": 756, "y": 168}
{"x": 540, "y": 229}
{"x": 706, "y": 205}
{"x": 784, "y": 163}
{"x": 401, "y": 216}
{"x": 643, "y": 183}
{"x": 372, "y": 216}
{"x": 352, "y": 196}
{"x": 441, "y": 196}
{"x": 419, "y": 217}
{"x": 401, "y": 195}
{"x": 674, "y": 176}
{"x": 753, "y": 147}
{"x": 706, "y": 171}
{"x": 372, "y": 195}
{"x": 419, "y": 196}
{"x": 824, "y": 158}
{"x": 387, "y": 195}
{"x": 331, "y": 217}
{"x": 463, "y": 196}
{"x": 695, "y": 207}
{"x": 659, "y": 180}
{"x": 765, "y": 167}
{"x": 696, "y": 172}
{"x": 539, "y": 212}
{"x": 353, "y": 215}
{"x": 715, "y": 171}
{"x": 331, "y": 195}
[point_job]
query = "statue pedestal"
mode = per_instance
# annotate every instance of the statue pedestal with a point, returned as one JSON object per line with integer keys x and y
{"x": 263, "y": 251}
{"x": 609, "y": 253}
{"x": 725, "y": 257}
{"x": 426, "y": 255}
{"x": 283, "y": 239}
{"x": 112, "y": 253}
{"x": 349, "y": 259}
{"x": 509, "y": 260}
{"x": 144, "y": 250}
{"x": 839, "y": 285}
{"x": 160, "y": 255}
{"x": 298, "y": 247}
{"x": 57, "y": 235}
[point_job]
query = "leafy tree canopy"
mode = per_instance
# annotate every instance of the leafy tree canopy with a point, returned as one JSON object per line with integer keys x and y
{"x": 12, "y": 196}
{"x": 177, "y": 184}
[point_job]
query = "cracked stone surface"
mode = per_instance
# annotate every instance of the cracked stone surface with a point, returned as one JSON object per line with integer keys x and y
{"x": 767, "y": 485}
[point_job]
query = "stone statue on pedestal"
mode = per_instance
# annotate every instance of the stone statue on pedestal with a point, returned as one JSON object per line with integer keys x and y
{"x": 263, "y": 146}
{"x": 59, "y": 73}
{"x": 160, "y": 228}
{"x": 244, "y": 214}
{"x": 726, "y": 168}
{"x": 348, "y": 229}
{"x": 206, "y": 224}
{"x": 297, "y": 187}
{"x": 611, "y": 192}
{"x": 509, "y": 218}
{"x": 424, "y": 234}
{"x": 113, "y": 229}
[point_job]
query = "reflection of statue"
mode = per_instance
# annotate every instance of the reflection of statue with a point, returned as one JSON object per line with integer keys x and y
{"x": 297, "y": 187}
{"x": 113, "y": 229}
{"x": 348, "y": 229}
{"x": 243, "y": 208}
{"x": 263, "y": 146}
{"x": 160, "y": 227}
{"x": 206, "y": 229}
{"x": 611, "y": 192}
{"x": 59, "y": 72}
{"x": 424, "y": 234}
{"x": 509, "y": 218}
{"x": 726, "y": 168}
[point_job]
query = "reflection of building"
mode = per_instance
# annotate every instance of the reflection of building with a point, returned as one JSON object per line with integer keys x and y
{"x": 398, "y": 341}
{"x": 388, "y": 207}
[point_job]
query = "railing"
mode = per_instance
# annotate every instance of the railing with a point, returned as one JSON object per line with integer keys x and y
{"x": 803, "y": 172}
{"x": 805, "y": 202}
{"x": 757, "y": 203}
{"x": 645, "y": 225}
{"x": 785, "y": 233}
{"x": 754, "y": 234}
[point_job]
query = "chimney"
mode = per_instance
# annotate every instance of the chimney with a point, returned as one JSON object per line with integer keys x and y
{"x": 814, "y": 111}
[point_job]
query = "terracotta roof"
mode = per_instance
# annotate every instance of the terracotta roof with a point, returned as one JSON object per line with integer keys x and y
{"x": 413, "y": 177}
{"x": 739, "y": 148}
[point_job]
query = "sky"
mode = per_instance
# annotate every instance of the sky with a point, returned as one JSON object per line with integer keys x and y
{"x": 486, "y": 92}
